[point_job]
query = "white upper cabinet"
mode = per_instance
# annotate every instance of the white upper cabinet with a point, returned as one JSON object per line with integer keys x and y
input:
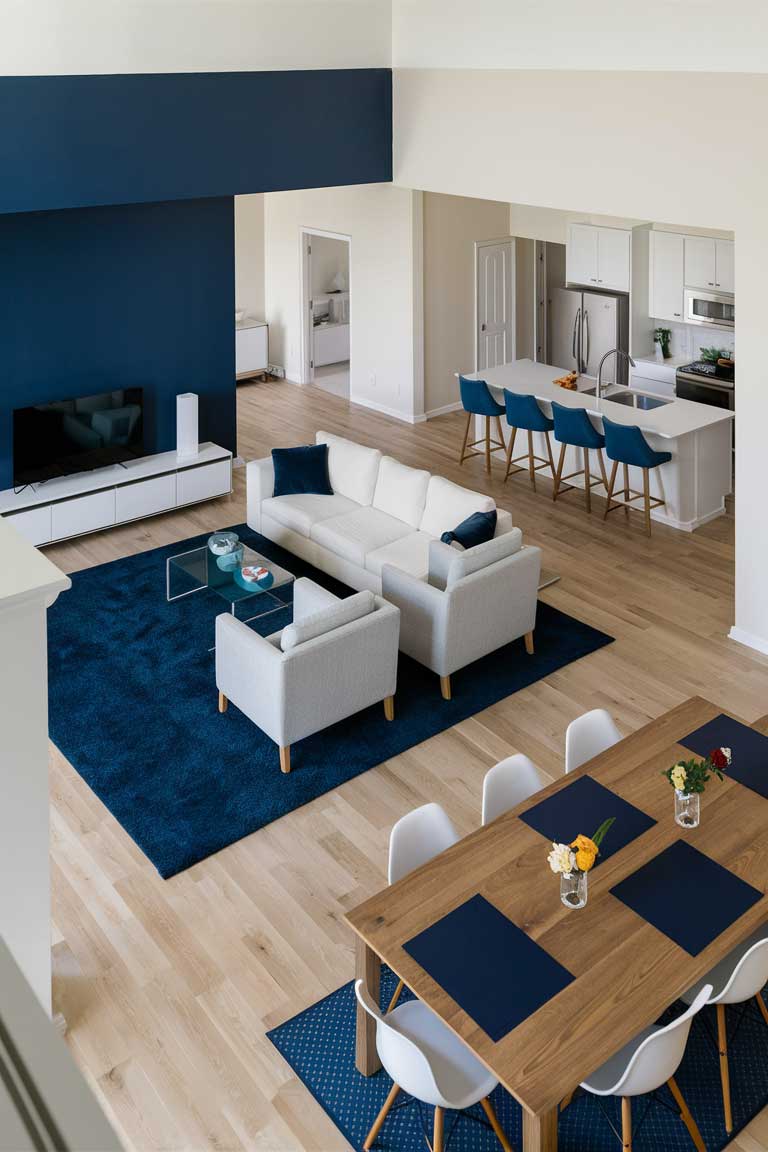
{"x": 725, "y": 280}
{"x": 709, "y": 263}
{"x": 598, "y": 257}
{"x": 666, "y": 276}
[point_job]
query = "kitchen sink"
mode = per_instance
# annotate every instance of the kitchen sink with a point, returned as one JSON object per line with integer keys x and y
{"x": 631, "y": 399}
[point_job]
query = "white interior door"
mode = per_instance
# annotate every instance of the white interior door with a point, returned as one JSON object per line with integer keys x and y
{"x": 495, "y": 341}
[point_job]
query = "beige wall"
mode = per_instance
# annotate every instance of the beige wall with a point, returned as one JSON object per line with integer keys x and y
{"x": 249, "y": 254}
{"x": 452, "y": 224}
{"x": 621, "y": 157}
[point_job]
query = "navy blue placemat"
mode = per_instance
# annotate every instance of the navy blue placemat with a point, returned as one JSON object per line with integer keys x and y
{"x": 748, "y": 748}
{"x": 581, "y": 807}
{"x": 494, "y": 972}
{"x": 687, "y": 896}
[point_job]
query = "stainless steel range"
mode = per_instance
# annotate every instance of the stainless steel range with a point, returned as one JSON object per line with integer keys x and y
{"x": 706, "y": 383}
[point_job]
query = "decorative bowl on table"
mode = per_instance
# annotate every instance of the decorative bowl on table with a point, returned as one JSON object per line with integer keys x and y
{"x": 230, "y": 561}
{"x": 253, "y": 578}
{"x": 222, "y": 543}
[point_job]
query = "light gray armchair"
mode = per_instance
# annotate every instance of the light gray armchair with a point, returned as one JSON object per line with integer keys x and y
{"x": 336, "y": 658}
{"x": 472, "y": 603}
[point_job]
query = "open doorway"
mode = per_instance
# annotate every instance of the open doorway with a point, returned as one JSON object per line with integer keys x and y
{"x": 326, "y": 304}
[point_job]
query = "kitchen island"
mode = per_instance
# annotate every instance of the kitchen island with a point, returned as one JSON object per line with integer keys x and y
{"x": 693, "y": 484}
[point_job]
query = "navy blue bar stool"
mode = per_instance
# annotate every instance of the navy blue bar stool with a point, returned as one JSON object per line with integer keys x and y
{"x": 573, "y": 427}
{"x": 477, "y": 400}
{"x": 524, "y": 414}
{"x": 625, "y": 444}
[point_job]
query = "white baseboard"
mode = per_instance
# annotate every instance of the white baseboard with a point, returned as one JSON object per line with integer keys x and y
{"x": 395, "y": 413}
{"x": 442, "y": 411}
{"x": 748, "y": 639}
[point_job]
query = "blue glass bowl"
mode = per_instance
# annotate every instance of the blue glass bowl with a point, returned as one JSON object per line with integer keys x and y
{"x": 231, "y": 560}
{"x": 253, "y": 585}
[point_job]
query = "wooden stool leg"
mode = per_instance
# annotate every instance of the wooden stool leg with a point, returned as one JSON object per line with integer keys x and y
{"x": 611, "y": 483}
{"x": 762, "y": 1007}
{"x": 559, "y": 472}
{"x": 685, "y": 1115}
{"x": 626, "y": 1123}
{"x": 722, "y": 1046}
{"x": 601, "y": 462}
{"x": 488, "y": 445}
{"x": 493, "y": 1120}
{"x": 529, "y": 643}
{"x": 510, "y": 446}
{"x": 445, "y": 687}
{"x": 396, "y": 996}
{"x": 626, "y": 490}
{"x": 587, "y": 480}
{"x": 647, "y": 499}
{"x": 381, "y": 1117}
{"x": 389, "y": 707}
{"x": 437, "y": 1136}
{"x": 466, "y": 437}
{"x": 499, "y": 430}
{"x": 549, "y": 453}
{"x": 531, "y": 465}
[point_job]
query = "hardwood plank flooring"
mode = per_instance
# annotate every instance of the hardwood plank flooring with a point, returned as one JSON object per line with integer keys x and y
{"x": 169, "y": 986}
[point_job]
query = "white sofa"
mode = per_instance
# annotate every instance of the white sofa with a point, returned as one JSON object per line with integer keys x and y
{"x": 381, "y": 512}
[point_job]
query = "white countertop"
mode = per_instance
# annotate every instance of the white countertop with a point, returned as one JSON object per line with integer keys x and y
{"x": 678, "y": 418}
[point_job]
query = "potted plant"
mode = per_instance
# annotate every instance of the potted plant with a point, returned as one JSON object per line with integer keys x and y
{"x": 662, "y": 337}
{"x": 573, "y": 863}
{"x": 689, "y": 779}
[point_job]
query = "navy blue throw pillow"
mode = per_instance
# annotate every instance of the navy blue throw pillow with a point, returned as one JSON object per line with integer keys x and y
{"x": 301, "y": 470}
{"x": 476, "y": 529}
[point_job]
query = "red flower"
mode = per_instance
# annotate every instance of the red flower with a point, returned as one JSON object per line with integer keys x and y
{"x": 718, "y": 758}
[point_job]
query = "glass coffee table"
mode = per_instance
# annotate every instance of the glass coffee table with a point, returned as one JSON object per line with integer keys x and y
{"x": 196, "y": 571}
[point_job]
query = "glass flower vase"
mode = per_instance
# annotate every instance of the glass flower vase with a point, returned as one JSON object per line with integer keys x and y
{"x": 687, "y": 808}
{"x": 573, "y": 889}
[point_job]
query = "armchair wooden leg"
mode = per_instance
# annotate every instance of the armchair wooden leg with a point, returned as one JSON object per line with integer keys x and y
{"x": 437, "y": 1135}
{"x": 381, "y": 1117}
{"x": 466, "y": 437}
{"x": 762, "y": 1007}
{"x": 445, "y": 687}
{"x": 722, "y": 1047}
{"x": 626, "y": 1123}
{"x": 285, "y": 758}
{"x": 389, "y": 707}
{"x": 395, "y": 997}
{"x": 222, "y": 702}
{"x": 529, "y": 643}
{"x": 685, "y": 1115}
{"x": 493, "y": 1120}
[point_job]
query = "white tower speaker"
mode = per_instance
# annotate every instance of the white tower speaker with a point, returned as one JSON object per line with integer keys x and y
{"x": 186, "y": 425}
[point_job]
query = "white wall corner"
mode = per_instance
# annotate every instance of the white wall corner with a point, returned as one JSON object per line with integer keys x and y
{"x": 417, "y": 301}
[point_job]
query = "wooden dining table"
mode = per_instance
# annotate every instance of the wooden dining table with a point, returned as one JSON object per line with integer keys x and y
{"x": 626, "y": 971}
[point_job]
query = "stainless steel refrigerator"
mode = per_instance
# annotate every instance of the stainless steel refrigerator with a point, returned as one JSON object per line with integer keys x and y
{"x": 583, "y": 326}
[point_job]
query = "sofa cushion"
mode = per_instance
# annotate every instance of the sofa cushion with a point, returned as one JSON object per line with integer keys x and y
{"x": 448, "y": 504}
{"x": 327, "y": 620}
{"x": 300, "y": 512}
{"x": 410, "y": 554}
{"x": 401, "y": 491}
{"x": 482, "y": 555}
{"x": 476, "y": 529}
{"x": 353, "y": 468}
{"x": 303, "y": 469}
{"x": 357, "y": 533}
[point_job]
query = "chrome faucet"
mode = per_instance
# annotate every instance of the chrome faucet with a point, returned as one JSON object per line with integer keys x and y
{"x": 613, "y": 352}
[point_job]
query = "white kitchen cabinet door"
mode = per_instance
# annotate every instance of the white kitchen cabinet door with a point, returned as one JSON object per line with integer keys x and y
{"x": 724, "y": 265}
{"x": 667, "y": 271}
{"x": 581, "y": 254}
{"x": 613, "y": 258}
{"x": 700, "y": 262}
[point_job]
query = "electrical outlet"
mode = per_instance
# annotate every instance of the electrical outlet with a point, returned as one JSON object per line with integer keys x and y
{"x": 372, "y": 379}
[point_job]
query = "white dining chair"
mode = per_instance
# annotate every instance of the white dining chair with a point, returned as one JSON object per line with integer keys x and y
{"x": 740, "y": 976}
{"x": 508, "y": 784}
{"x": 644, "y": 1065}
{"x": 588, "y": 736}
{"x": 417, "y": 837}
{"x": 430, "y": 1063}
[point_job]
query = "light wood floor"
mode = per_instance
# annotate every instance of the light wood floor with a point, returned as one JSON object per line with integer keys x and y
{"x": 169, "y": 986}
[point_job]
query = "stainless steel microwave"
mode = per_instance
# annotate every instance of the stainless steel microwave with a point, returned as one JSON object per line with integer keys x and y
{"x": 713, "y": 309}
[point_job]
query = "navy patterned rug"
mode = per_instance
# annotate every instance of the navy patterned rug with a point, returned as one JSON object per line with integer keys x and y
{"x": 133, "y": 706}
{"x": 319, "y": 1045}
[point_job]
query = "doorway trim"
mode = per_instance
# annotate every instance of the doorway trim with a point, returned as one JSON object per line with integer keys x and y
{"x": 305, "y": 231}
{"x": 475, "y": 312}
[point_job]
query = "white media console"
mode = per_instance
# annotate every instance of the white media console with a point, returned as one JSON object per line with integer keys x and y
{"x": 88, "y": 501}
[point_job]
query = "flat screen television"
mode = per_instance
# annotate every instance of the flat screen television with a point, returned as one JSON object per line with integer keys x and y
{"x": 77, "y": 435}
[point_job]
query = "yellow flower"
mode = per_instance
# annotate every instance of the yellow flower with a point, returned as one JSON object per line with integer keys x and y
{"x": 678, "y": 777}
{"x": 586, "y": 852}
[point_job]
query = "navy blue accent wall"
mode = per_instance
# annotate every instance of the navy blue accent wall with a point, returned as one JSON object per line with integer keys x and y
{"x": 75, "y": 141}
{"x": 95, "y": 299}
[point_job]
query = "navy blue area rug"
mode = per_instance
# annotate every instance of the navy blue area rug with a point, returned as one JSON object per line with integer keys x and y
{"x": 319, "y": 1045}
{"x": 133, "y": 706}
